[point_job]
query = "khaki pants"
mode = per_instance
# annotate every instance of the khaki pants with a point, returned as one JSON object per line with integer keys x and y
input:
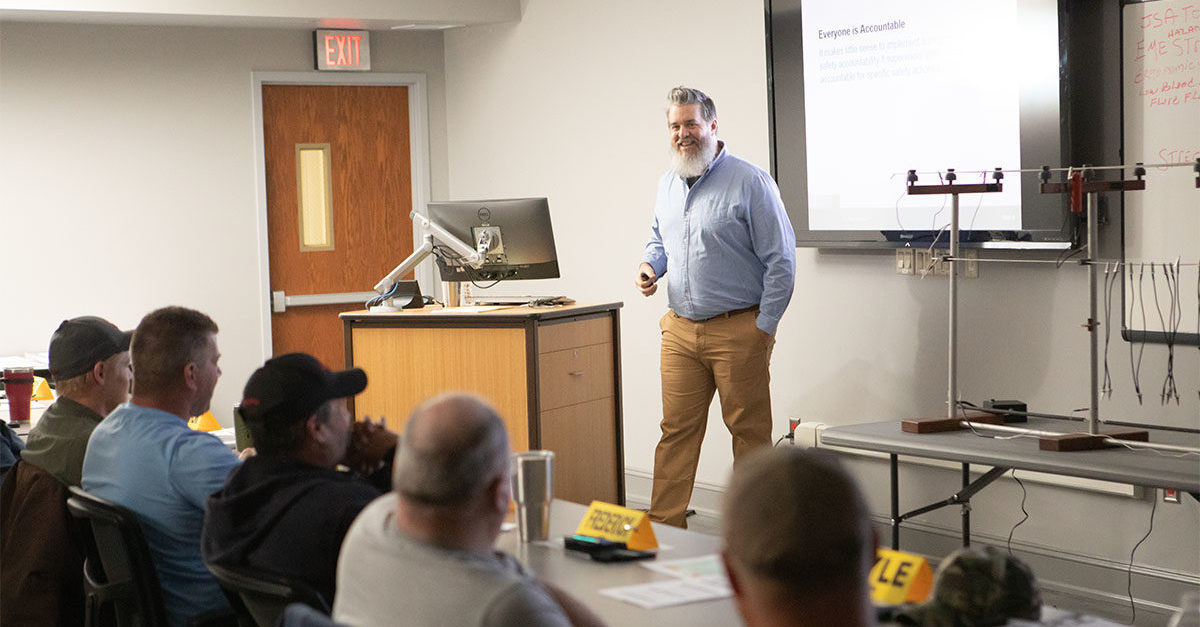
{"x": 729, "y": 355}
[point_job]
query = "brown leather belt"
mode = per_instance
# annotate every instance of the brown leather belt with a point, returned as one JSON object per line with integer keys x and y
{"x": 729, "y": 314}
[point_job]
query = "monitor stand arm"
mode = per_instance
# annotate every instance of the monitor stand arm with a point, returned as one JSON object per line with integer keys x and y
{"x": 469, "y": 256}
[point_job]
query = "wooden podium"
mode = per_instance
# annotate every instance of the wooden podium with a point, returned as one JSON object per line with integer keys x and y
{"x": 553, "y": 373}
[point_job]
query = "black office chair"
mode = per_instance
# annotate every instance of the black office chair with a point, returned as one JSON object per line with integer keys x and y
{"x": 119, "y": 578}
{"x": 259, "y": 598}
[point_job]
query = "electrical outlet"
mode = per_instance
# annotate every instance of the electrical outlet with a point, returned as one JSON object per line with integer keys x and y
{"x": 1170, "y": 495}
{"x": 922, "y": 262}
{"x": 970, "y": 266}
{"x": 904, "y": 264}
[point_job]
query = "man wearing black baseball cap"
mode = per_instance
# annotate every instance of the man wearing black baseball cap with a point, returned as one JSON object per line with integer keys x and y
{"x": 40, "y": 584}
{"x": 286, "y": 510}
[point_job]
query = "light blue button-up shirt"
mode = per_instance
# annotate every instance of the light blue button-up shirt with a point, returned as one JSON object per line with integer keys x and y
{"x": 726, "y": 243}
{"x": 150, "y": 462}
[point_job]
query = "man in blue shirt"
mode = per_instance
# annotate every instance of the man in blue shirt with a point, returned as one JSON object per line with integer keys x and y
{"x": 721, "y": 234}
{"x": 143, "y": 455}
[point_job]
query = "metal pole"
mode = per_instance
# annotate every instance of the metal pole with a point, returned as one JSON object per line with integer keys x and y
{"x": 952, "y": 379}
{"x": 1093, "y": 242}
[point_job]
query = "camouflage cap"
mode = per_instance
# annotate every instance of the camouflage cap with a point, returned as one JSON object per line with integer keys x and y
{"x": 978, "y": 588}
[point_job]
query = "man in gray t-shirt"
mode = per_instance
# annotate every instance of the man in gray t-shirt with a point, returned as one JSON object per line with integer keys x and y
{"x": 424, "y": 554}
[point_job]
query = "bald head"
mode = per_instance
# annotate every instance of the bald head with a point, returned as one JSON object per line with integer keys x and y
{"x": 796, "y": 521}
{"x": 453, "y": 447}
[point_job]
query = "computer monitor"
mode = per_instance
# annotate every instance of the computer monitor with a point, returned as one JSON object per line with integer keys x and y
{"x": 514, "y": 236}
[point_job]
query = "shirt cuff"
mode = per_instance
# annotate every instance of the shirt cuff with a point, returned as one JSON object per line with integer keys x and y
{"x": 659, "y": 263}
{"x": 767, "y": 323}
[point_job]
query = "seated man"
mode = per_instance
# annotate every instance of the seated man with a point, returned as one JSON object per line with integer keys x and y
{"x": 287, "y": 509}
{"x": 976, "y": 587}
{"x": 424, "y": 555}
{"x": 798, "y": 541}
{"x": 143, "y": 455}
{"x": 40, "y": 582}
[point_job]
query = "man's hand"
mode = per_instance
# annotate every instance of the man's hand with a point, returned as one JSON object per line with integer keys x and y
{"x": 370, "y": 442}
{"x": 647, "y": 280}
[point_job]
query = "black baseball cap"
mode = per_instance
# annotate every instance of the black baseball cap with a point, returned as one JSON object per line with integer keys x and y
{"x": 293, "y": 386}
{"x": 81, "y": 342}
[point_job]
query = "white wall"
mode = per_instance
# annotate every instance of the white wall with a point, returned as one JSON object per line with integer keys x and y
{"x": 569, "y": 103}
{"x": 127, "y": 176}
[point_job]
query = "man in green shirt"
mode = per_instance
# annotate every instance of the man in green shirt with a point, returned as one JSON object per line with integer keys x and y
{"x": 41, "y": 582}
{"x": 89, "y": 362}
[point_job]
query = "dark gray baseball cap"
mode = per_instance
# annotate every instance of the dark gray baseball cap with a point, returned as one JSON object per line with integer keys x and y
{"x": 81, "y": 342}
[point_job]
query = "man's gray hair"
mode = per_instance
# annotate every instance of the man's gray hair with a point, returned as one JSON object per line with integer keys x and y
{"x": 683, "y": 96}
{"x": 796, "y": 518}
{"x": 453, "y": 446}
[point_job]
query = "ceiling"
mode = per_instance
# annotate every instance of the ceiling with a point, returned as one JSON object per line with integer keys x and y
{"x": 376, "y": 15}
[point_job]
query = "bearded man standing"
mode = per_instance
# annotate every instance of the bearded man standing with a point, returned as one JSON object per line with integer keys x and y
{"x": 721, "y": 234}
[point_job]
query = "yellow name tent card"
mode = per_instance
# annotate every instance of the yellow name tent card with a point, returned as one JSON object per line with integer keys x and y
{"x": 618, "y": 524}
{"x": 900, "y": 578}
{"x": 41, "y": 390}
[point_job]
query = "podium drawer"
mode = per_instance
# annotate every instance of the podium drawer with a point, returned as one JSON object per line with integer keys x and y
{"x": 575, "y": 375}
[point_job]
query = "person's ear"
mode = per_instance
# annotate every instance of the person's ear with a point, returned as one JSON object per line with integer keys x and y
{"x": 189, "y": 375}
{"x": 315, "y": 428}
{"x": 99, "y": 370}
{"x": 734, "y": 584}
{"x": 498, "y": 492}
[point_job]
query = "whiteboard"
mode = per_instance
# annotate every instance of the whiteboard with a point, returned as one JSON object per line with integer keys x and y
{"x": 1161, "y": 91}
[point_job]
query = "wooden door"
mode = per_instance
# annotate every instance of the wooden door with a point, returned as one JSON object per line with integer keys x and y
{"x": 366, "y": 129}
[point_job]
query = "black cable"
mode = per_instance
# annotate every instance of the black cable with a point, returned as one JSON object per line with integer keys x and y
{"x": 1024, "y": 494}
{"x": 1129, "y": 584}
{"x": 1110, "y": 281}
{"x": 1175, "y": 313}
{"x": 1168, "y": 386}
{"x": 1138, "y": 296}
{"x": 1066, "y": 255}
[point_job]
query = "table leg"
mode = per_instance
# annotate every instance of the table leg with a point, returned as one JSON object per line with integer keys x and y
{"x": 966, "y": 506}
{"x": 895, "y": 470}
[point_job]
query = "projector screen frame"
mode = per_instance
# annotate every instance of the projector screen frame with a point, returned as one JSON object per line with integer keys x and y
{"x": 1083, "y": 97}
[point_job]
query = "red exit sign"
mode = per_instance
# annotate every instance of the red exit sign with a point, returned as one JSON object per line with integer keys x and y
{"x": 343, "y": 49}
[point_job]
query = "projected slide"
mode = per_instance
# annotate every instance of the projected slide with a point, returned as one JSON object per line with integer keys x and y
{"x": 892, "y": 86}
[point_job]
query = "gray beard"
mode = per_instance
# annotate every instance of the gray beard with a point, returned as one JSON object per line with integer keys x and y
{"x": 695, "y": 165}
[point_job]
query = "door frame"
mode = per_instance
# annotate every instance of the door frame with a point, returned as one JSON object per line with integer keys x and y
{"x": 418, "y": 130}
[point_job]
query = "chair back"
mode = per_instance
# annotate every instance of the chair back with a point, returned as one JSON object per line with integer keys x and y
{"x": 41, "y": 579}
{"x": 118, "y": 570}
{"x": 263, "y": 596}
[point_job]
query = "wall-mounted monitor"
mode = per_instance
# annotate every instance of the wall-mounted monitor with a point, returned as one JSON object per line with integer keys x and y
{"x": 861, "y": 91}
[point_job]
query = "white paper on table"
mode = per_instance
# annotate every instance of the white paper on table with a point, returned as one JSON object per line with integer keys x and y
{"x": 674, "y": 592}
{"x": 703, "y": 566}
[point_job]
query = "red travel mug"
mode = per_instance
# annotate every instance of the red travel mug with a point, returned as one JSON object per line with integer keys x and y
{"x": 18, "y": 385}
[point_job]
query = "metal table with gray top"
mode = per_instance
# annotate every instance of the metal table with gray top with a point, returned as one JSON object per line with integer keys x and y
{"x": 1149, "y": 468}
{"x": 584, "y": 578}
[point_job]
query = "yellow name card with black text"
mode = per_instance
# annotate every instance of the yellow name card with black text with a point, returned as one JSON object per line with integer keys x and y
{"x": 618, "y": 524}
{"x": 900, "y": 578}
